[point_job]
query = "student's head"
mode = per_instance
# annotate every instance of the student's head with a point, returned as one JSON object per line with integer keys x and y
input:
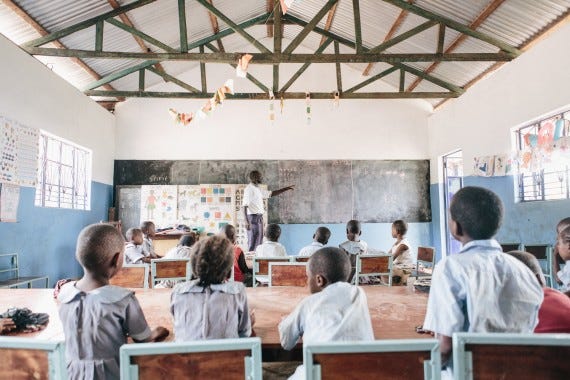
{"x": 135, "y": 236}
{"x": 148, "y": 228}
{"x": 532, "y": 263}
{"x": 327, "y": 266}
{"x": 212, "y": 260}
{"x": 188, "y": 240}
{"x": 476, "y": 213}
{"x": 322, "y": 235}
{"x": 563, "y": 244}
{"x": 399, "y": 228}
{"x": 353, "y": 230}
{"x": 562, "y": 225}
{"x": 273, "y": 231}
{"x": 229, "y": 232}
{"x": 100, "y": 249}
{"x": 255, "y": 177}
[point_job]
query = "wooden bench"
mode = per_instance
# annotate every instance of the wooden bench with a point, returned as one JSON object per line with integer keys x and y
{"x": 373, "y": 265}
{"x": 25, "y": 358}
{"x": 132, "y": 276}
{"x": 287, "y": 274}
{"x": 170, "y": 270}
{"x": 14, "y": 280}
{"x": 261, "y": 268}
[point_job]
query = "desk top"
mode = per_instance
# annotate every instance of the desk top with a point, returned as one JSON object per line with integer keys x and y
{"x": 395, "y": 311}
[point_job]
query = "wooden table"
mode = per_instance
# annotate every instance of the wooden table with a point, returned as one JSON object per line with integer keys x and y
{"x": 395, "y": 311}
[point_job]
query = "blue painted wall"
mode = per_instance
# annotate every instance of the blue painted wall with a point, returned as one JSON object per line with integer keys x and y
{"x": 527, "y": 222}
{"x": 45, "y": 237}
{"x": 376, "y": 235}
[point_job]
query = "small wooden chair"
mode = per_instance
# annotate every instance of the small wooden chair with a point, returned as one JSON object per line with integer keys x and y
{"x": 425, "y": 259}
{"x": 132, "y": 276}
{"x": 27, "y": 358}
{"x": 380, "y": 359}
{"x": 511, "y": 356}
{"x": 373, "y": 265}
{"x": 170, "y": 269}
{"x": 288, "y": 274}
{"x": 543, "y": 253}
{"x": 261, "y": 268}
{"x": 211, "y": 359}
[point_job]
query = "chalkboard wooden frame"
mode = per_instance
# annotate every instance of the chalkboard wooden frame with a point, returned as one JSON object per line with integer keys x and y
{"x": 327, "y": 191}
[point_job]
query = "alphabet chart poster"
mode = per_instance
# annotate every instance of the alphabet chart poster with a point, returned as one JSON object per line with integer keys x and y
{"x": 8, "y": 147}
{"x": 207, "y": 205}
{"x": 19, "y": 147}
{"x": 159, "y": 204}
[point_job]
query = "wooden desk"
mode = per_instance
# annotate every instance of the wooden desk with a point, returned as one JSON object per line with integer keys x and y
{"x": 395, "y": 311}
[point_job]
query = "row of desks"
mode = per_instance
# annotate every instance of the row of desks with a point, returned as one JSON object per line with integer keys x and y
{"x": 395, "y": 312}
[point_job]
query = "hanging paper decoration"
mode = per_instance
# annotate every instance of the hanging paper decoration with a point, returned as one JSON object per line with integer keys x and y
{"x": 336, "y": 99}
{"x": 559, "y": 128}
{"x": 308, "y": 107}
{"x": 483, "y": 166}
{"x": 546, "y": 135}
{"x": 282, "y": 104}
{"x": 271, "y": 107}
{"x": 211, "y": 104}
{"x": 243, "y": 63}
{"x": 530, "y": 140}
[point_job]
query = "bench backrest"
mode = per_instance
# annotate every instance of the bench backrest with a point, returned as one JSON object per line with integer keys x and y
{"x": 26, "y": 358}
{"x": 287, "y": 274}
{"x": 132, "y": 276}
{"x": 170, "y": 269}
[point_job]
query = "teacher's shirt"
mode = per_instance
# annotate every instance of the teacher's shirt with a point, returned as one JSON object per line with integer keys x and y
{"x": 253, "y": 198}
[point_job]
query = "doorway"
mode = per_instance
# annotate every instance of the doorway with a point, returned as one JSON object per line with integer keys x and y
{"x": 452, "y": 182}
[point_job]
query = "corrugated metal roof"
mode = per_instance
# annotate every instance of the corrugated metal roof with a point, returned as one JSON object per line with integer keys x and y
{"x": 514, "y": 22}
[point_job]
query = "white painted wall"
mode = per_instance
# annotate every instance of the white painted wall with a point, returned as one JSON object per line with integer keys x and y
{"x": 33, "y": 95}
{"x": 358, "y": 129}
{"x": 480, "y": 121}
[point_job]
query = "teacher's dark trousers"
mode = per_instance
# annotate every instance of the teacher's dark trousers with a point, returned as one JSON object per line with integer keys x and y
{"x": 255, "y": 232}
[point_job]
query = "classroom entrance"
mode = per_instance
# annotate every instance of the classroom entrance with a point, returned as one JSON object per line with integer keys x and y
{"x": 452, "y": 182}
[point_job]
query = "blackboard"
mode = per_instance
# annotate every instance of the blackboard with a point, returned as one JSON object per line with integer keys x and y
{"x": 326, "y": 191}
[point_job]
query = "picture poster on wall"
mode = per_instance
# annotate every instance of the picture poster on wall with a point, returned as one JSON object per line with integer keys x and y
{"x": 9, "y": 199}
{"x": 207, "y": 206}
{"x": 159, "y": 204}
{"x": 484, "y": 166}
{"x": 19, "y": 158}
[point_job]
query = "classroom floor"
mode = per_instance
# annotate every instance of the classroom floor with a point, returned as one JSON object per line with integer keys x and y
{"x": 279, "y": 370}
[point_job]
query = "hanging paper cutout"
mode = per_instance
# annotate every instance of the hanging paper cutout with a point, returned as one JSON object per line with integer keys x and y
{"x": 243, "y": 63}
{"x": 530, "y": 140}
{"x": 184, "y": 118}
{"x": 308, "y": 107}
{"x": 546, "y": 134}
{"x": 271, "y": 107}
{"x": 483, "y": 166}
{"x": 558, "y": 129}
{"x": 282, "y": 104}
{"x": 336, "y": 99}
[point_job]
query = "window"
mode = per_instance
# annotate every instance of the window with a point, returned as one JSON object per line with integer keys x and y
{"x": 64, "y": 175}
{"x": 543, "y": 172}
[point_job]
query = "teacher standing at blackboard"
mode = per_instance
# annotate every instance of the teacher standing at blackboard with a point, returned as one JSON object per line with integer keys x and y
{"x": 253, "y": 208}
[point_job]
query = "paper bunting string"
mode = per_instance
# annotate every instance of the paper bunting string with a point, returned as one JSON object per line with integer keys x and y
{"x": 211, "y": 105}
{"x": 243, "y": 63}
{"x": 308, "y": 107}
{"x": 271, "y": 107}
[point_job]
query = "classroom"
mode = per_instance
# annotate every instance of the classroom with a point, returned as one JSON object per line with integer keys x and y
{"x": 488, "y": 102}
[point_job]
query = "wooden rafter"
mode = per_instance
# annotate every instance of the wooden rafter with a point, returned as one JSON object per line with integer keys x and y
{"x": 277, "y": 34}
{"x": 215, "y": 27}
{"x": 269, "y": 8}
{"x": 485, "y": 13}
{"x": 328, "y": 23}
{"x": 393, "y": 30}
{"x": 40, "y": 29}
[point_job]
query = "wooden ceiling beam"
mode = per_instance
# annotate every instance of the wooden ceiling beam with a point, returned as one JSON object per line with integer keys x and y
{"x": 40, "y": 29}
{"x": 328, "y": 23}
{"x": 270, "y": 8}
{"x": 395, "y": 27}
{"x": 485, "y": 13}
{"x": 277, "y": 40}
{"x": 286, "y": 95}
{"x": 215, "y": 27}
{"x": 275, "y": 58}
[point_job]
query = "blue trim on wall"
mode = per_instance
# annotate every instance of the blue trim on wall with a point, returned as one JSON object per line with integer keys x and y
{"x": 526, "y": 222}
{"x": 45, "y": 238}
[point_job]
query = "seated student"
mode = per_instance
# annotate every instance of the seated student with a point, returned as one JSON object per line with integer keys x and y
{"x": 335, "y": 311}
{"x": 271, "y": 246}
{"x": 97, "y": 317}
{"x": 480, "y": 289}
{"x": 211, "y": 307}
{"x": 134, "y": 247}
{"x": 563, "y": 247}
{"x": 149, "y": 231}
{"x": 242, "y": 272}
{"x": 320, "y": 239}
{"x": 556, "y": 259}
{"x": 181, "y": 251}
{"x": 400, "y": 251}
{"x": 354, "y": 246}
{"x": 554, "y": 312}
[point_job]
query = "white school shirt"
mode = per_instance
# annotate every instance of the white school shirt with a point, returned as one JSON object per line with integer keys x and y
{"x": 270, "y": 249}
{"x": 564, "y": 276}
{"x": 148, "y": 247}
{"x": 482, "y": 289}
{"x": 133, "y": 253}
{"x": 253, "y": 198}
{"x": 311, "y": 248}
{"x": 355, "y": 247}
{"x": 405, "y": 257}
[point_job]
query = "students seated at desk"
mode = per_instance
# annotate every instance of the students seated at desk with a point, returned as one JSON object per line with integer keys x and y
{"x": 400, "y": 251}
{"x": 336, "y": 310}
{"x": 480, "y": 289}
{"x": 320, "y": 239}
{"x": 183, "y": 248}
{"x": 354, "y": 246}
{"x": 271, "y": 246}
{"x": 149, "y": 230}
{"x": 211, "y": 307}
{"x": 134, "y": 247}
{"x": 98, "y": 317}
{"x": 242, "y": 273}
{"x": 554, "y": 312}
